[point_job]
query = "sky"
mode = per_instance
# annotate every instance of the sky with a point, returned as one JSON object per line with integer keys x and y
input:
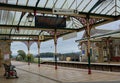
{"x": 64, "y": 46}
{"x": 110, "y": 26}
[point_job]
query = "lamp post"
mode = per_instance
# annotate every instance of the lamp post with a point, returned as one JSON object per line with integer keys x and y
{"x": 30, "y": 17}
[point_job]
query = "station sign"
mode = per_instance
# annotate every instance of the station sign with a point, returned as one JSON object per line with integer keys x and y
{"x": 41, "y": 37}
{"x": 50, "y": 22}
{"x": 64, "y": 11}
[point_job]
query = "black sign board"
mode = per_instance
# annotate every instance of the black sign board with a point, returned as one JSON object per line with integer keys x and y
{"x": 50, "y": 22}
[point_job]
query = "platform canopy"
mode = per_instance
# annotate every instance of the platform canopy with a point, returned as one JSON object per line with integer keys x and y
{"x": 15, "y": 26}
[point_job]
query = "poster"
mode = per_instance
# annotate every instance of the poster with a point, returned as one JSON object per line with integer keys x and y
{"x": 6, "y": 57}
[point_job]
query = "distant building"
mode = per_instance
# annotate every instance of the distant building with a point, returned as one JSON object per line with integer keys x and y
{"x": 102, "y": 49}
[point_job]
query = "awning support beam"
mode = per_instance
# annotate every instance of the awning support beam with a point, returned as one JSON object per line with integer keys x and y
{"x": 36, "y": 28}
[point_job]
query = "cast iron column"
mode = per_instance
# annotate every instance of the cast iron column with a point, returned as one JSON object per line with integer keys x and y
{"x": 55, "y": 43}
{"x": 39, "y": 52}
{"x": 108, "y": 49}
{"x": 28, "y": 53}
{"x": 88, "y": 44}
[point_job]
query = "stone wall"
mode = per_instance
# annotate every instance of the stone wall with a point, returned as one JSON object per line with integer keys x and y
{"x": 5, "y": 51}
{"x": 103, "y": 51}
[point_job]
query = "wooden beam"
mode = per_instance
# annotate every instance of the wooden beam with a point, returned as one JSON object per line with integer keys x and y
{"x": 118, "y": 17}
{"x": 37, "y": 28}
{"x": 25, "y": 39}
{"x": 23, "y": 35}
{"x": 101, "y": 23}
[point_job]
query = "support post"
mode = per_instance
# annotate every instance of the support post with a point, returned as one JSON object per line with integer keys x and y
{"x": 88, "y": 44}
{"x": 39, "y": 52}
{"x": 108, "y": 49}
{"x": 55, "y": 43}
{"x": 28, "y": 53}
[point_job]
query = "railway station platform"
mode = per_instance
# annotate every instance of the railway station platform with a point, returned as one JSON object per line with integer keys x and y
{"x": 47, "y": 74}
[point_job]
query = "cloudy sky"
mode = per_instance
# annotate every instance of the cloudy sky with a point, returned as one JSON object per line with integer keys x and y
{"x": 64, "y": 46}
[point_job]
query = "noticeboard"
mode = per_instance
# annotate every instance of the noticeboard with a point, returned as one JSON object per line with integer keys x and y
{"x": 6, "y": 57}
{"x": 50, "y": 22}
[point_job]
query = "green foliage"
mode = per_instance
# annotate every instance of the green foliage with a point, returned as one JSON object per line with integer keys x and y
{"x": 72, "y": 54}
{"x": 48, "y": 54}
{"x": 22, "y": 54}
{"x": 41, "y": 60}
{"x": 19, "y": 58}
{"x": 11, "y": 56}
{"x": 30, "y": 56}
{"x": 36, "y": 60}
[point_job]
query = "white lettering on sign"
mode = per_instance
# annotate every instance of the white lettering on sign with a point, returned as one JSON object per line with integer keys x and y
{"x": 64, "y": 11}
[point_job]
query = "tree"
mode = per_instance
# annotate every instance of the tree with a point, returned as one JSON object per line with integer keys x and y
{"x": 22, "y": 54}
{"x": 31, "y": 57}
{"x": 19, "y": 58}
{"x": 11, "y": 56}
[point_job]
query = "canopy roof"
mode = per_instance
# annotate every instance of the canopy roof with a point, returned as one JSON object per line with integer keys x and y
{"x": 99, "y": 36}
{"x": 14, "y": 23}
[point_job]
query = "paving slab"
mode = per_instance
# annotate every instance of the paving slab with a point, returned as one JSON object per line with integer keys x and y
{"x": 47, "y": 74}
